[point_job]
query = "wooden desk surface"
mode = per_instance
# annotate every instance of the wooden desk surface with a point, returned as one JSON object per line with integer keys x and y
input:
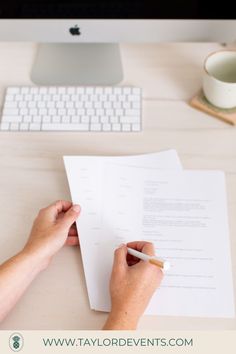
{"x": 32, "y": 173}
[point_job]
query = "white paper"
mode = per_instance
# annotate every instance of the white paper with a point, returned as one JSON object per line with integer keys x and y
{"x": 85, "y": 177}
{"x": 183, "y": 213}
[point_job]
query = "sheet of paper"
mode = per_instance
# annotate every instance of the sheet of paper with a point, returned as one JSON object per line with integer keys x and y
{"x": 85, "y": 177}
{"x": 185, "y": 215}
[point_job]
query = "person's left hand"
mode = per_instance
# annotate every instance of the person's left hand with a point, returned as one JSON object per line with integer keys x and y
{"x": 52, "y": 229}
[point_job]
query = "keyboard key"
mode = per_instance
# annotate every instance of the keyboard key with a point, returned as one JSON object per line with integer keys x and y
{"x": 90, "y": 112}
{"x": 133, "y": 98}
{"x": 62, "y": 112}
{"x": 117, "y": 105}
{"x": 71, "y": 112}
{"x": 109, "y": 105}
{"x": 4, "y": 126}
{"x": 70, "y": 104}
{"x": 136, "y": 105}
{"x": 9, "y": 98}
{"x": 52, "y": 112}
{"x": 94, "y": 120}
{"x": 116, "y": 127}
{"x": 71, "y": 90}
{"x": 11, "y": 104}
{"x": 65, "y": 127}
{"x": 127, "y": 105}
{"x": 65, "y": 119}
{"x": 100, "y": 112}
{"x": 10, "y": 112}
{"x": 61, "y": 90}
{"x": 11, "y": 119}
{"x": 114, "y": 120}
{"x": 96, "y": 127}
{"x": 98, "y": 105}
{"x": 31, "y": 104}
{"x": 136, "y": 127}
{"x": 80, "y": 90}
{"x": 75, "y": 119}
{"x": 126, "y": 127}
{"x": 136, "y": 91}
{"x": 106, "y": 127}
{"x": 104, "y": 119}
{"x": 43, "y": 90}
{"x": 33, "y": 112}
{"x": 46, "y": 119}
{"x": 117, "y": 90}
{"x": 132, "y": 112}
{"x": 27, "y": 119}
{"x": 36, "y": 119}
{"x": 50, "y": 104}
{"x": 18, "y": 97}
{"x": 23, "y": 112}
{"x": 109, "y": 112}
{"x": 24, "y": 126}
{"x": 34, "y": 126}
{"x": 80, "y": 112}
{"x": 24, "y": 90}
{"x": 127, "y": 90}
{"x": 59, "y": 104}
{"x": 23, "y": 104}
{"x": 28, "y": 97}
{"x": 129, "y": 119}
{"x": 13, "y": 90}
{"x": 85, "y": 119}
{"x": 89, "y": 90}
{"x": 52, "y": 90}
{"x": 56, "y": 119}
{"x": 14, "y": 126}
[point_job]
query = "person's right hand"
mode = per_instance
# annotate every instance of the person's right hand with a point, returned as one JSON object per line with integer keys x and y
{"x": 53, "y": 228}
{"x": 132, "y": 284}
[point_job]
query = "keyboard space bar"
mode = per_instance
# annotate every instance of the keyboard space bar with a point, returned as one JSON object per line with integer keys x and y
{"x": 65, "y": 127}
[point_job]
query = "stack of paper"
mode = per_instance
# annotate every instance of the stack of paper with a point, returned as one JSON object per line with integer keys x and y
{"x": 149, "y": 197}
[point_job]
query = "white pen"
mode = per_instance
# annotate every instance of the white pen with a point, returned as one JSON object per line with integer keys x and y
{"x": 152, "y": 259}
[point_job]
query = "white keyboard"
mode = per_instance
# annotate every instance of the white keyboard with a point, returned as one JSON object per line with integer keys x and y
{"x": 97, "y": 109}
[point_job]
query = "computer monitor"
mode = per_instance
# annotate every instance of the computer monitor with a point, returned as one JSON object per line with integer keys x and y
{"x": 79, "y": 39}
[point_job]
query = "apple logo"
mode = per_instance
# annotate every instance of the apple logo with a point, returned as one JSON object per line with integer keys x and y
{"x": 75, "y": 31}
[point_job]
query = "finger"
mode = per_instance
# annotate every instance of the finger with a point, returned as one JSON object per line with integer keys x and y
{"x": 53, "y": 210}
{"x": 73, "y": 232}
{"x": 72, "y": 241}
{"x": 131, "y": 258}
{"x": 119, "y": 262}
{"x": 142, "y": 246}
{"x": 149, "y": 249}
{"x": 70, "y": 216}
{"x": 131, "y": 263}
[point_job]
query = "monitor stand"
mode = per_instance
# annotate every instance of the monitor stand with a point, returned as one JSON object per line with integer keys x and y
{"x": 77, "y": 64}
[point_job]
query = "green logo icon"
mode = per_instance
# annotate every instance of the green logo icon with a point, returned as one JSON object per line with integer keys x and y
{"x": 16, "y": 342}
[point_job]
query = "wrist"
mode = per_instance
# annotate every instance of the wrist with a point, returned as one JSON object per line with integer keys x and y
{"x": 38, "y": 260}
{"x": 121, "y": 320}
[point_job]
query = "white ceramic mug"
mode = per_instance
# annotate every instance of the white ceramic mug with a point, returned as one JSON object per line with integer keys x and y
{"x": 219, "y": 80}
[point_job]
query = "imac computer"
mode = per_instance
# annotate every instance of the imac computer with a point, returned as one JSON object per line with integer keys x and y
{"x": 78, "y": 40}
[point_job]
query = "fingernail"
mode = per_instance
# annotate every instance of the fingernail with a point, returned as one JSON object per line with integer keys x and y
{"x": 76, "y": 208}
{"x": 121, "y": 245}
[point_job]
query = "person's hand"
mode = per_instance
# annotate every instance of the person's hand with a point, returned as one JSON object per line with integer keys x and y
{"x": 52, "y": 229}
{"x": 132, "y": 284}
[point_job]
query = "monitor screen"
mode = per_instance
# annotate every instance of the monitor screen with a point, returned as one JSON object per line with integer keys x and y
{"x": 116, "y": 9}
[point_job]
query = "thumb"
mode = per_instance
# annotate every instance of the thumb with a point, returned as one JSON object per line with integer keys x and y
{"x": 71, "y": 216}
{"x": 149, "y": 249}
{"x": 120, "y": 263}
